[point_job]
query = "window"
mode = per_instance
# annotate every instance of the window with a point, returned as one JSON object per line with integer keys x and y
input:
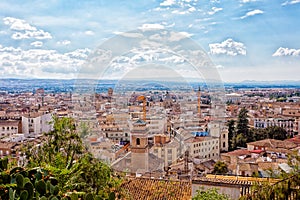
{"x": 224, "y": 144}
{"x": 223, "y": 135}
{"x": 138, "y": 141}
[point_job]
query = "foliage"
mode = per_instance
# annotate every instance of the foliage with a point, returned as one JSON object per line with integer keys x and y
{"x": 286, "y": 188}
{"x": 62, "y": 141}
{"x": 231, "y": 133}
{"x": 243, "y": 122}
{"x": 61, "y": 167}
{"x": 242, "y": 134}
{"x": 220, "y": 168}
{"x": 210, "y": 194}
{"x": 84, "y": 130}
{"x": 21, "y": 183}
{"x": 272, "y": 132}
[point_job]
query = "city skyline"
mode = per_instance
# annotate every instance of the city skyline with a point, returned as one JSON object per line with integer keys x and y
{"x": 246, "y": 39}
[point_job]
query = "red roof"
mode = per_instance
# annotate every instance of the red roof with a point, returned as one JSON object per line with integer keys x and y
{"x": 257, "y": 151}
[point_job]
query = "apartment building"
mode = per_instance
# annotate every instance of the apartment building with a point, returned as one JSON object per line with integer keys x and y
{"x": 166, "y": 149}
{"x": 289, "y": 124}
{"x": 204, "y": 147}
{"x": 8, "y": 127}
{"x": 36, "y": 123}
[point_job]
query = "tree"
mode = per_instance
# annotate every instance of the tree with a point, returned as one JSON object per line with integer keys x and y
{"x": 242, "y": 123}
{"x": 231, "y": 134}
{"x": 220, "y": 168}
{"x": 210, "y": 194}
{"x": 242, "y": 129}
{"x": 285, "y": 188}
{"x": 62, "y": 153}
{"x": 84, "y": 130}
{"x": 276, "y": 132}
{"x": 272, "y": 132}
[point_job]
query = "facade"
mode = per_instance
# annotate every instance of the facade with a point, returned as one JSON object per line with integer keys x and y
{"x": 166, "y": 149}
{"x": 218, "y": 130}
{"x": 8, "y": 128}
{"x": 36, "y": 123}
{"x": 205, "y": 147}
{"x": 139, "y": 147}
{"x": 115, "y": 127}
{"x": 290, "y": 125}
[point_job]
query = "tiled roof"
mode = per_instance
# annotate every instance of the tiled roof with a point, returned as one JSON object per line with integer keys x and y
{"x": 239, "y": 152}
{"x": 273, "y": 143}
{"x": 237, "y": 180}
{"x": 155, "y": 189}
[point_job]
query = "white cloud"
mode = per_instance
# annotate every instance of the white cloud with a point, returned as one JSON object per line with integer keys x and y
{"x": 252, "y": 13}
{"x": 167, "y": 3}
{"x": 36, "y": 44}
{"x": 228, "y": 47}
{"x": 39, "y": 34}
{"x": 129, "y": 34}
{"x": 290, "y": 2}
{"x": 18, "y": 24}
{"x": 24, "y": 30}
{"x": 281, "y": 51}
{"x": 40, "y": 62}
{"x": 64, "y": 42}
{"x": 151, "y": 26}
{"x": 179, "y": 36}
{"x": 89, "y": 32}
{"x": 192, "y": 9}
{"x": 214, "y": 10}
{"x": 247, "y": 1}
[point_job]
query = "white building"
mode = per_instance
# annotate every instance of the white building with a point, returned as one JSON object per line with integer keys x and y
{"x": 219, "y": 130}
{"x": 204, "y": 147}
{"x": 166, "y": 149}
{"x": 290, "y": 125}
{"x": 233, "y": 97}
{"x": 8, "y": 128}
{"x": 36, "y": 123}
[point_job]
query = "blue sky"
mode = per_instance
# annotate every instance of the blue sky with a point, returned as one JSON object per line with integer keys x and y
{"x": 246, "y": 39}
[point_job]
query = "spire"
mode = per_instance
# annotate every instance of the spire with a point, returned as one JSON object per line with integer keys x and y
{"x": 199, "y": 102}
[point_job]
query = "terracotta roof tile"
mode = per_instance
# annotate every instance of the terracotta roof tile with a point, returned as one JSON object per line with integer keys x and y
{"x": 146, "y": 189}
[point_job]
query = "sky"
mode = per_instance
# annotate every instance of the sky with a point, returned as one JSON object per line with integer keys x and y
{"x": 245, "y": 39}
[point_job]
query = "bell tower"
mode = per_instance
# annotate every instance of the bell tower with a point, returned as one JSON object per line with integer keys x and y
{"x": 139, "y": 147}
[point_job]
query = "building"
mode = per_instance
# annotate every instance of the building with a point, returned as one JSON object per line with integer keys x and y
{"x": 204, "y": 147}
{"x": 139, "y": 147}
{"x": 217, "y": 129}
{"x": 289, "y": 124}
{"x": 36, "y": 123}
{"x": 8, "y": 128}
{"x": 166, "y": 149}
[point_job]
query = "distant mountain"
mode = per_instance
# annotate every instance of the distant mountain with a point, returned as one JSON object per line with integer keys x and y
{"x": 15, "y": 85}
{"x": 276, "y": 82}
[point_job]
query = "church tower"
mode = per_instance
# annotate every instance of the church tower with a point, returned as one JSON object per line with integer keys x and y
{"x": 139, "y": 147}
{"x": 199, "y": 102}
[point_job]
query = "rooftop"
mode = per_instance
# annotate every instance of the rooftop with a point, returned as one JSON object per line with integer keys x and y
{"x": 146, "y": 189}
{"x": 274, "y": 144}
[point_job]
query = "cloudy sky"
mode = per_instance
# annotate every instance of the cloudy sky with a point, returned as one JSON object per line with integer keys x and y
{"x": 246, "y": 39}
